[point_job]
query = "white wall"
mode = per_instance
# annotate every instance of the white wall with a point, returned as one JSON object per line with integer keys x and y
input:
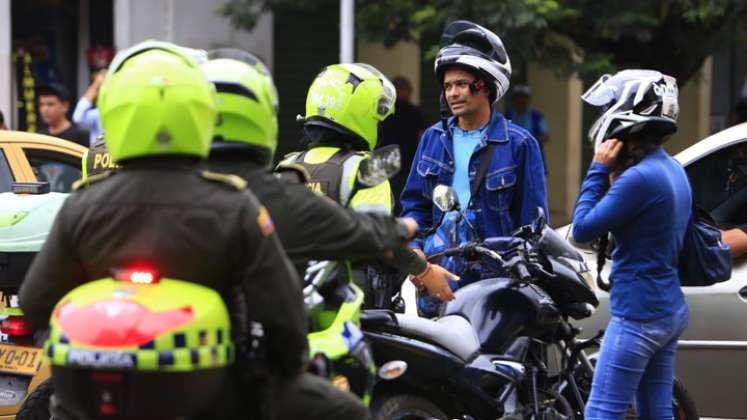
{"x": 5, "y": 62}
{"x": 192, "y": 23}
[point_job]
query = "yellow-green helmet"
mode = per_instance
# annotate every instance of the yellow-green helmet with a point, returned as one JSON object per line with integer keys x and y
{"x": 156, "y": 101}
{"x": 352, "y": 99}
{"x": 247, "y": 102}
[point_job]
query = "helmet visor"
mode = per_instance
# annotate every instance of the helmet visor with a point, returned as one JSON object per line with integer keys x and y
{"x": 388, "y": 92}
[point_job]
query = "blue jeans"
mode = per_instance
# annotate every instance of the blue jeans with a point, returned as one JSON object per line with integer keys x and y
{"x": 636, "y": 360}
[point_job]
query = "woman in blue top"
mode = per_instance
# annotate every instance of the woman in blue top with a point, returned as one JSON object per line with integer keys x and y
{"x": 640, "y": 195}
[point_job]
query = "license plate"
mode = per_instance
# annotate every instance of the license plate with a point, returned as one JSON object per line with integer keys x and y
{"x": 22, "y": 360}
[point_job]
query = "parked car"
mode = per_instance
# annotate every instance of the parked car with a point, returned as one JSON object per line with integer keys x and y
{"x": 24, "y": 222}
{"x": 712, "y": 352}
{"x": 36, "y": 157}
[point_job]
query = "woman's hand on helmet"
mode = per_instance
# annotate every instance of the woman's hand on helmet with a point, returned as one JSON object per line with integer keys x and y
{"x": 608, "y": 151}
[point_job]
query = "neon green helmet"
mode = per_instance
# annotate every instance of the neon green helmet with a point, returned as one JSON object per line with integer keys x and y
{"x": 352, "y": 99}
{"x": 156, "y": 101}
{"x": 247, "y": 102}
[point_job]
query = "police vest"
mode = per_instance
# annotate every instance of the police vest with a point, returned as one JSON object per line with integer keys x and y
{"x": 331, "y": 177}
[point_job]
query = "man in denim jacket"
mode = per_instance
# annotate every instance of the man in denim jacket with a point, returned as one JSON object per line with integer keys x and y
{"x": 474, "y": 71}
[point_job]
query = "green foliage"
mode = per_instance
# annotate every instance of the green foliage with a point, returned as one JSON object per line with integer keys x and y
{"x": 585, "y": 36}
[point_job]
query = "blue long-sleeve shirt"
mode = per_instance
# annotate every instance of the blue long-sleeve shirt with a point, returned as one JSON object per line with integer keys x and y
{"x": 647, "y": 210}
{"x": 87, "y": 117}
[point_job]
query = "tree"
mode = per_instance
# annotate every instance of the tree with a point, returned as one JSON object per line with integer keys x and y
{"x": 585, "y": 36}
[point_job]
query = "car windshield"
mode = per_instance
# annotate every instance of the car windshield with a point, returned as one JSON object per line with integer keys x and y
{"x": 719, "y": 183}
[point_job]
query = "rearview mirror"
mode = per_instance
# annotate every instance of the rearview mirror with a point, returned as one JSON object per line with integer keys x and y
{"x": 382, "y": 164}
{"x": 445, "y": 198}
{"x": 539, "y": 223}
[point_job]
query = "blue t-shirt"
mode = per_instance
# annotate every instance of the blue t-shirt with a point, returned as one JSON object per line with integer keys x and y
{"x": 465, "y": 143}
{"x": 647, "y": 211}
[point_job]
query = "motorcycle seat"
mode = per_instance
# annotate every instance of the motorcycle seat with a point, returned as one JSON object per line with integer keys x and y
{"x": 452, "y": 332}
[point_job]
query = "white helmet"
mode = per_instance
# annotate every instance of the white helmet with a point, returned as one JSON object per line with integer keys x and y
{"x": 633, "y": 101}
{"x": 471, "y": 46}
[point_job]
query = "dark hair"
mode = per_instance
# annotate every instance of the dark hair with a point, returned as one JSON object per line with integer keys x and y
{"x": 641, "y": 146}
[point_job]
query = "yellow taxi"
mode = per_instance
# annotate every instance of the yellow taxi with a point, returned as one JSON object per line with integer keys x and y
{"x": 26, "y": 157}
{"x": 36, "y": 157}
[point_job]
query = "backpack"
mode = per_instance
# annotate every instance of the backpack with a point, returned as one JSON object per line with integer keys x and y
{"x": 704, "y": 259}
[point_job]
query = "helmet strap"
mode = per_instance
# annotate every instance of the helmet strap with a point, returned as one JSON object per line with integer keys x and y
{"x": 444, "y": 108}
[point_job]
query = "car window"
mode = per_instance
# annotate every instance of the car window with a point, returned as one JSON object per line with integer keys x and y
{"x": 60, "y": 170}
{"x": 719, "y": 183}
{"x": 6, "y": 177}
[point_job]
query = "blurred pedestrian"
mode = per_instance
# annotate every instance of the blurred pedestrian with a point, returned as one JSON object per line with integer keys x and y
{"x": 528, "y": 118}
{"x": 2, "y": 121}
{"x": 86, "y": 114}
{"x": 403, "y": 128}
{"x": 54, "y": 103}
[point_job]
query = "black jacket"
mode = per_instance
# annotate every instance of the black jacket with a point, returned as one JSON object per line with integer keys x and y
{"x": 314, "y": 227}
{"x": 192, "y": 227}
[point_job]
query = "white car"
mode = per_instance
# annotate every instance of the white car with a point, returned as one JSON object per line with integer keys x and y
{"x": 712, "y": 352}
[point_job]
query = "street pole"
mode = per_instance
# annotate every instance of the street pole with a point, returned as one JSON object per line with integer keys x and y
{"x": 347, "y": 30}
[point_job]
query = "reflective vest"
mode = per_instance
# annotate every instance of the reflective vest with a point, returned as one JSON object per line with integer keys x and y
{"x": 332, "y": 172}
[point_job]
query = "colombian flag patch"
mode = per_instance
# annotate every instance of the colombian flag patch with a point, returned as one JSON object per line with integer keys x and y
{"x": 265, "y": 222}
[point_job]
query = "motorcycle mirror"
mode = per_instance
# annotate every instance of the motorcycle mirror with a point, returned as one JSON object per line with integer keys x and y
{"x": 539, "y": 223}
{"x": 445, "y": 198}
{"x": 382, "y": 164}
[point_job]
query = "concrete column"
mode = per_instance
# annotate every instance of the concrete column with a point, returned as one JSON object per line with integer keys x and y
{"x": 560, "y": 101}
{"x": 403, "y": 59}
{"x": 6, "y": 63}
{"x": 347, "y": 31}
{"x": 122, "y": 24}
{"x": 695, "y": 110}
{"x": 84, "y": 42}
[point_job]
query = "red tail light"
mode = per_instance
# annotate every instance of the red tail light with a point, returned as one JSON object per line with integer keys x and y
{"x": 16, "y": 325}
{"x": 137, "y": 276}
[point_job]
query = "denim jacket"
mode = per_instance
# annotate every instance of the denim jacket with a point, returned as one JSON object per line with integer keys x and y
{"x": 513, "y": 188}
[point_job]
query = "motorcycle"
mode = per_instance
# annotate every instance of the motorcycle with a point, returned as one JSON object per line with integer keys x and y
{"x": 505, "y": 347}
{"x": 337, "y": 347}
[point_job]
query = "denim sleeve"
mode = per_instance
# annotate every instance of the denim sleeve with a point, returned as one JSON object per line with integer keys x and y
{"x": 598, "y": 213}
{"x": 532, "y": 186}
{"x": 414, "y": 204}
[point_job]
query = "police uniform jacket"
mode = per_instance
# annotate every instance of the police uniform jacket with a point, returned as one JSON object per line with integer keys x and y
{"x": 203, "y": 228}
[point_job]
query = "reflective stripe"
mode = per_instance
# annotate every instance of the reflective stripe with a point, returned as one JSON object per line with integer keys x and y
{"x": 372, "y": 208}
{"x": 349, "y": 171}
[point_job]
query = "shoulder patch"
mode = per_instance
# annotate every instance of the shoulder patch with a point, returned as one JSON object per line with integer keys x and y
{"x": 79, "y": 184}
{"x": 265, "y": 222}
{"x": 234, "y": 181}
{"x": 288, "y": 166}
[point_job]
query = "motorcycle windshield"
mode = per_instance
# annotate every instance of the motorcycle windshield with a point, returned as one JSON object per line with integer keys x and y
{"x": 553, "y": 244}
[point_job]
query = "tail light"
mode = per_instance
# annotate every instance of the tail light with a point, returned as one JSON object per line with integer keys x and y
{"x": 16, "y": 325}
{"x": 137, "y": 275}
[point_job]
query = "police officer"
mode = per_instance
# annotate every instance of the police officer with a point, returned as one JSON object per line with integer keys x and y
{"x": 345, "y": 106}
{"x": 309, "y": 226}
{"x": 158, "y": 112}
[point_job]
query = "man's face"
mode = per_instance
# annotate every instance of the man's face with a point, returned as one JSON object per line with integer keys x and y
{"x": 460, "y": 99}
{"x": 52, "y": 109}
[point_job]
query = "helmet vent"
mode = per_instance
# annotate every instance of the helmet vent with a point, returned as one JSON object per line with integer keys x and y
{"x": 163, "y": 138}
